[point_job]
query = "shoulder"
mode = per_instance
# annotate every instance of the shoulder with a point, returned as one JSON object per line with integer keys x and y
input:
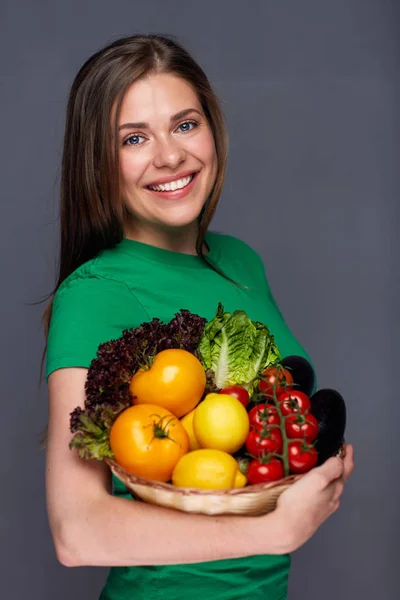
{"x": 234, "y": 247}
{"x": 93, "y": 295}
{"x": 100, "y": 273}
{"x": 90, "y": 307}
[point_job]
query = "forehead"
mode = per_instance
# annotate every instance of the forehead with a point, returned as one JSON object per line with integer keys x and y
{"x": 157, "y": 97}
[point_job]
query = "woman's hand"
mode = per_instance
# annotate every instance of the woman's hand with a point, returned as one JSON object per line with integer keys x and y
{"x": 311, "y": 500}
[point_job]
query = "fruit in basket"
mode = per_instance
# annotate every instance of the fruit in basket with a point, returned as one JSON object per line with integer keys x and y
{"x": 239, "y": 392}
{"x": 163, "y": 370}
{"x": 187, "y": 422}
{"x": 283, "y": 428}
{"x": 148, "y": 441}
{"x": 294, "y": 401}
{"x": 265, "y": 441}
{"x": 207, "y": 469}
{"x": 175, "y": 380}
{"x": 221, "y": 422}
{"x": 301, "y": 426}
{"x": 275, "y": 377}
{"x": 262, "y": 415}
{"x": 329, "y": 409}
{"x": 264, "y": 471}
{"x": 302, "y": 457}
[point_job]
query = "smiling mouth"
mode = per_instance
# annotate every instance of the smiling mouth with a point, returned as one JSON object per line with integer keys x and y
{"x": 172, "y": 186}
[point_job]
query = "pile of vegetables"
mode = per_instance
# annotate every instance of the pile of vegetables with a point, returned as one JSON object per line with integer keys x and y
{"x": 205, "y": 405}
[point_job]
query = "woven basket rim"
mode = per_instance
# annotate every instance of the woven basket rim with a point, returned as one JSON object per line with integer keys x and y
{"x": 126, "y": 476}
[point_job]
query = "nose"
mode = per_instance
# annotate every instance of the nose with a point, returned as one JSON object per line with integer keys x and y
{"x": 169, "y": 153}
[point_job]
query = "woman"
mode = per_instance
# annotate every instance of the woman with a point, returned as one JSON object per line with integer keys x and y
{"x": 143, "y": 169}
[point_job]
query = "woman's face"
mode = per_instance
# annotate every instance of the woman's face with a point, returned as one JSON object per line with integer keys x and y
{"x": 164, "y": 138}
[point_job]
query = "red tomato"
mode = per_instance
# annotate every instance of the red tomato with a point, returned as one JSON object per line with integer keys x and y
{"x": 264, "y": 442}
{"x": 302, "y": 426}
{"x": 263, "y": 472}
{"x": 237, "y": 392}
{"x": 294, "y": 401}
{"x": 262, "y": 415}
{"x": 277, "y": 377}
{"x": 302, "y": 457}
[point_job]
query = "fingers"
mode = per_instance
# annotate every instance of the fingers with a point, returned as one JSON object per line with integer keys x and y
{"x": 348, "y": 461}
{"x": 338, "y": 490}
{"x": 331, "y": 469}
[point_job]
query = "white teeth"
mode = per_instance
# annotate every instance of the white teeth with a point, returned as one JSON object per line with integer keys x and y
{"x": 172, "y": 186}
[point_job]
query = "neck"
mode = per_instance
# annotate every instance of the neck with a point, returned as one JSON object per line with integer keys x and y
{"x": 179, "y": 239}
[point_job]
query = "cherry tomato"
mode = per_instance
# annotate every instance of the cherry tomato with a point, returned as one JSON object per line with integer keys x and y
{"x": 237, "y": 392}
{"x": 302, "y": 426}
{"x": 262, "y": 415}
{"x": 277, "y": 377}
{"x": 302, "y": 457}
{"x": 294, "y": 401}
{"x": 264, "y": 442}
{"x": 263, "y": 472}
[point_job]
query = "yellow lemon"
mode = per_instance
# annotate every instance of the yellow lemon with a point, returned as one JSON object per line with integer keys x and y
{"x": 221, "y": 422}
{"x": 187, "y": 422}
{"x": 208, "y": 470}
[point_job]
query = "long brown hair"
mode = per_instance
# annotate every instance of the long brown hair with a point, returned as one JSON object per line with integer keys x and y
{"x": 91, "y": 211}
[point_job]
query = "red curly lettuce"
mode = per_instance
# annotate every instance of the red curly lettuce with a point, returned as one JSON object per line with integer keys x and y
{"x": 107, "y": 385}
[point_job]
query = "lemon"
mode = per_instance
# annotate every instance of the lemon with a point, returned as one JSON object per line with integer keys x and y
{"x": 187, "y": 422}
{"x": 221, "y": 422}
{"x": 208, "y": 470}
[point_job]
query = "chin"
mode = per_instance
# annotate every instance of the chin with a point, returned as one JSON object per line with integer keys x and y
{"x": 178, "y": 223}
{"x": 180, "y": 218}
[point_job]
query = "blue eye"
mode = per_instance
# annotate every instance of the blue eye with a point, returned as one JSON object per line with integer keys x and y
{"x": 185, "y": 126}
{"x": 132, "y": 140}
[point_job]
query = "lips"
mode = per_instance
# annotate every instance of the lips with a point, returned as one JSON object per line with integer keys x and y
{"x": 178, "y": 184}
{"x": 164, "y": 180}
{"x": 178, "y": 193}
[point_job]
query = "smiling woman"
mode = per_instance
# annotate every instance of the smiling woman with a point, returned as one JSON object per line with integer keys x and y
{"x": 128, "y": 125}
{"x": 167, "y": 160}
{"x": 143, "y": 168}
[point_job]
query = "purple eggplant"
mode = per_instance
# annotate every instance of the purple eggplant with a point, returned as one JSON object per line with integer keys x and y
{"x": 329, "y": 408}
{"x": 302, "y": 373}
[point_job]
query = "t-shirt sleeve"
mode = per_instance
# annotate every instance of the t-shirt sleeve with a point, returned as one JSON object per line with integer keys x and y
{"x": 300, "y": 350}
{"x": 88, "y": 311}
{"x": 256, "y": 263}
{"x": 271, "y": 297}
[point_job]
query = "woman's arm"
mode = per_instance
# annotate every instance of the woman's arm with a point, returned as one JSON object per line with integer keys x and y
{"x": 90, "y": 527}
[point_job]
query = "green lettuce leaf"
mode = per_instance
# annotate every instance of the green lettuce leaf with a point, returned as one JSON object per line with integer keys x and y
{"x": 237, "y": 349}
{"x": 91, "y": 428}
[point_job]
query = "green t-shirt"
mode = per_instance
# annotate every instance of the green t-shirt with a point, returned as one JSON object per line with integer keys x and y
{"x": 133, "y": 283}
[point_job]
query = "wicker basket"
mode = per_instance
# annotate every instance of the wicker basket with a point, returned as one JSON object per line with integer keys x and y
{"x": 252, "y": 500}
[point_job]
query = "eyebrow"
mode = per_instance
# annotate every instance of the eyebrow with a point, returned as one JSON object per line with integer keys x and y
{"x": 174, "y": 118}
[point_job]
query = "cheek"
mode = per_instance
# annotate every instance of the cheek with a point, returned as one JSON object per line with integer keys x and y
{"x": 210, "y": 158}
{"x": 131, "y": 168}
{"x": 206, "y": 149}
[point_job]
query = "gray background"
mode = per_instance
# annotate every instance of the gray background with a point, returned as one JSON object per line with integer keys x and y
{"x": 309, "y": 90}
